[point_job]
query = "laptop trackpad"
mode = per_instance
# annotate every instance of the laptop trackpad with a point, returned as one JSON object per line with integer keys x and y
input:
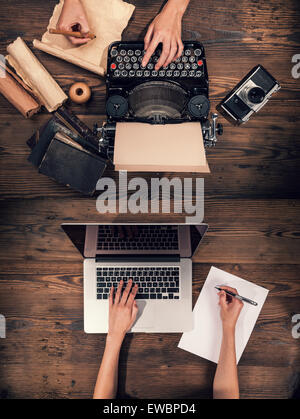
{"x": 145, "y": 318}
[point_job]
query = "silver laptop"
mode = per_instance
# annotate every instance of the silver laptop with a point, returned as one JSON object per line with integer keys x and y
{"x": 156, "y": 257}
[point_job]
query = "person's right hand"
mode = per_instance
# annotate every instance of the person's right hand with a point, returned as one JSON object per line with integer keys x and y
{"x": 230, "y": 307}
{"x": 123, "y": 310}
{"x": 73, "y": 18}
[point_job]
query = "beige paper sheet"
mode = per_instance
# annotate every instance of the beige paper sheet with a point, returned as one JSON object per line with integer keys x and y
{"x": 170, "y": 147}
{"x": 107, "y": 20}
{"x": 34, "y": 74}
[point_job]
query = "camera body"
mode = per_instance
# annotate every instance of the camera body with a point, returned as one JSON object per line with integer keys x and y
{"x": 249, "y": 95}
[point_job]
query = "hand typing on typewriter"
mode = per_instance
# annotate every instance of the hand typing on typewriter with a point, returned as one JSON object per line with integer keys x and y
{"x": 166, "y": 29}
{"x": 73, "y": 18}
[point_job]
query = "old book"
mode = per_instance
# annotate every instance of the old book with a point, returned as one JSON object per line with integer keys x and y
{"x": 163, "y": 148}
{"x": 66, "y": 122}
{"x": 70, "y": 164}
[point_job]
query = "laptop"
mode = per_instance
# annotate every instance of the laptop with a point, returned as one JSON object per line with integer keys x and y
{"x": 158, "y": 257}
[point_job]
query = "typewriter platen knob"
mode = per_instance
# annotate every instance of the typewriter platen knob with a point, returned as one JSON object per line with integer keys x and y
{"x": 198, "y": 106}
{"x": 116, "y": 106}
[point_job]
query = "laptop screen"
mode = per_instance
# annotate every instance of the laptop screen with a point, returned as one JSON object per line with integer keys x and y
{"x": 94, "y": 240}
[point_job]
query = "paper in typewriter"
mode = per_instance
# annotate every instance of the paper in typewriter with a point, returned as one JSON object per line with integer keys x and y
{"x": 107, "y": 20}
{"x": 206, "y": 337}
{"x": 163, "y": 148}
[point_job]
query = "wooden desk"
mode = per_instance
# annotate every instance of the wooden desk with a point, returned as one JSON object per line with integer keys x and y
{"x": 252, "y": 205}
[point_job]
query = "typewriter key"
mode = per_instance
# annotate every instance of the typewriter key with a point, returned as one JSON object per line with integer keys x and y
{"x": 176, "y": 73}
{"x": 161, "y": 73}
{"x": 131, "y": 73}
{"x": 180, "y": 66}
{"x": 135, "y": 66}
{"x": 154, "y": 73}
{"x": 121, "y": 66}
{"x": 130, "y": 52}
{"x": 188, "y": 52}
{"x": 119, "y": 59}
{"x": 128, "y": 66}
{"x": 133, "y": 59}
{"x": 146, "y": 73}
{"x": 139, "y": 73}
{"x": 192, "y": 59}
{"x": 124, "y": 73}
{"x": 172, "y": 66}
{"x": 137, "y": 52}
{"x": 123, "y": 52}
{"x": 194, "y": 66}
{"x": 197, "y": 52}
{"x": 126, "y": 59}
{"x": 114, "y": 53}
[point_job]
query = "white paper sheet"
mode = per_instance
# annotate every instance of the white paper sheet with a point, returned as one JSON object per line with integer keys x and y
{"x": 205, "y": 339}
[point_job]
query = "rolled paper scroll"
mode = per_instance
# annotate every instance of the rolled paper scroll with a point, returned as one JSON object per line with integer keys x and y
{"x": 16, "y": 93}
{"x": 34, "y": 74}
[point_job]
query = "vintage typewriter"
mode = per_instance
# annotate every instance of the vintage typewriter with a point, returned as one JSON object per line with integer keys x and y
{"x": 176, "y": 94}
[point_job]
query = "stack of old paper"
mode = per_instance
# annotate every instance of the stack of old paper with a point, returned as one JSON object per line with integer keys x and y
{"x": 107, "y": 20}
{"x": 163, "y": 148}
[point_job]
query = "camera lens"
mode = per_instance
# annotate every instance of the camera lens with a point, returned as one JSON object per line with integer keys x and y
{"x": 256, "y": 95}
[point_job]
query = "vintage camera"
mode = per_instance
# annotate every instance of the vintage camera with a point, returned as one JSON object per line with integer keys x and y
{"x": 249, "y": 95}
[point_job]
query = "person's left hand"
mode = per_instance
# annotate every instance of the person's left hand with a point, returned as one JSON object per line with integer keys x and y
{"x": 165, "y": 29}
{"x": 123, "y": 310}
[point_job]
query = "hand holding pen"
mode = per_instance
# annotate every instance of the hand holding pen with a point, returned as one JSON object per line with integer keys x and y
{"x": 235, "y": 294}
{"x": 230, "y": 307}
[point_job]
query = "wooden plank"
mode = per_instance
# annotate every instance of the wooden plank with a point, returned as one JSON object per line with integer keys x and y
{"x": 259, "y": 232}
{"x": 242, "y": 164}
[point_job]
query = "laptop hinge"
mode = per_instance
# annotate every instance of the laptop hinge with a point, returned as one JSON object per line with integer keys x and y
{"x": 139, "y": 258}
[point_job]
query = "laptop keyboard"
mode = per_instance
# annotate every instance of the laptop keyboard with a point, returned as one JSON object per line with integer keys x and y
{"x": 155, "y": 282}
{"x": 148, "y": 237}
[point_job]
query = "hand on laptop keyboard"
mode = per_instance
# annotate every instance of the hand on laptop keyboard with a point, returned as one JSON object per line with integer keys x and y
{"x": 123, "y": 309}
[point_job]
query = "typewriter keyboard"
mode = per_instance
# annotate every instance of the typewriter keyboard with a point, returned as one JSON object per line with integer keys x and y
{"x": 127, "y": 63}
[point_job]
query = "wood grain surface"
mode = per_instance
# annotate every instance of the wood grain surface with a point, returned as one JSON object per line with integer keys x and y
{"x": 251, "y": 204}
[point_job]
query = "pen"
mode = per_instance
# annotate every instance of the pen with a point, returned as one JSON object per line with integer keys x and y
{"x": 239, "y": 297}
